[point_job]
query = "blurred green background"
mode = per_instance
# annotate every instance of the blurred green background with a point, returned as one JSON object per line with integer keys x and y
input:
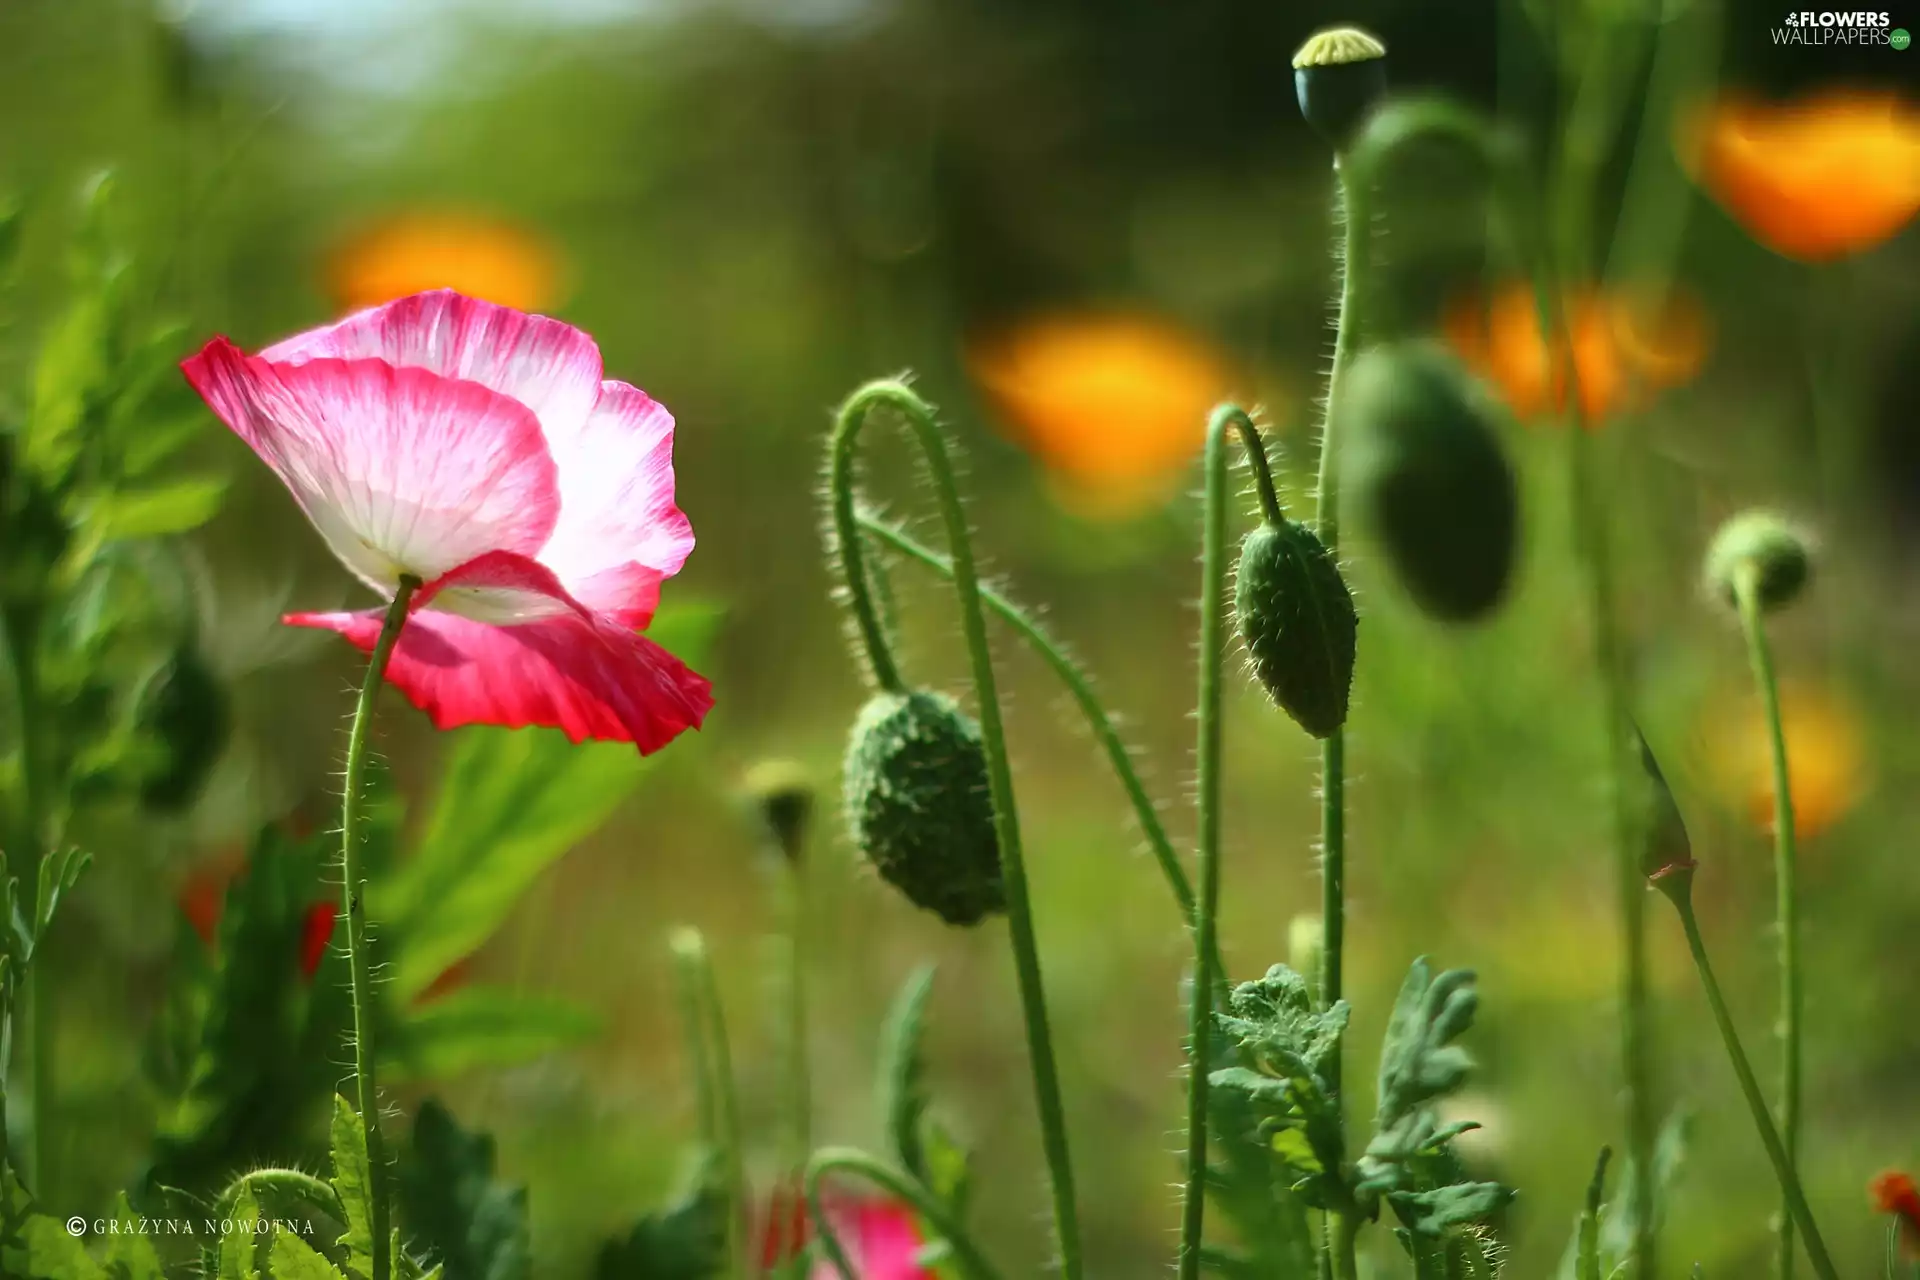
{"x": 753, "y": 205}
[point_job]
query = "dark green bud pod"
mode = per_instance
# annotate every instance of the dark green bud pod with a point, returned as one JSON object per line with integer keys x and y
{"x": 1296, "y": 617}
{"x": 1338, "y": 75}
{"x": 780, "y": 791}
{"x": 1423, "y": 459}
{"x": 184, "y": 713}
{"x": 1768, "y": 548}
{"x": 919, "y": 806}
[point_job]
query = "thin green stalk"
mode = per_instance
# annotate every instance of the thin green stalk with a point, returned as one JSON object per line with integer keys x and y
{"x": 1026, "y": 952}
{"x": 22, "y": 635}
{"x": 799, "y": 1072}
{"x": 930, "y": 1208}
{"x": 1345, "y": 1230}
{"x": 1213, "y": 593}
{"x": 719, "y": 1100}
{"x": 353, "y": 888}
{"x": 1352, "y": 208}
{"x": 1790, "y": 1190}
{"x": 1746, "y": 589}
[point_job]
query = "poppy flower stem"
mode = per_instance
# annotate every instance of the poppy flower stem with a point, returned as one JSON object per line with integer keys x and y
{"x": 932, "y": 1210}
{"x": 353, "y": 889}
{"x": 1746, "y": 590}
{"x": 1213, "y": 590}
{"x": 1790, "y": 1190}
{"x": 705, "y": 1026}
{"x": 919, "y": 417}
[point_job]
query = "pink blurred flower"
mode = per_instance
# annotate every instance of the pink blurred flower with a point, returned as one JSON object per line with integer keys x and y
{"x": 880, "y": 1236}
{"x": 475, "y": 448}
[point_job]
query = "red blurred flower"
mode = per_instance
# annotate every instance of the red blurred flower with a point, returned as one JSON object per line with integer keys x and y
{"x": 476, "y": 449}
{"x": 881, "y": 1237}
{"x": 1833, "y": 173}
{"x": 1894, "y": 1192}
{"x": 316, "y": 931}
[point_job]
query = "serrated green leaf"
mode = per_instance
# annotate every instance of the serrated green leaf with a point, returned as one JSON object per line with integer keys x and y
{"x": 130, "y": 1255}
{"x": 353, "y": 1183}
{"x": 67, "y": 375}
{"x": 1617, "y": 1225}
{"x": 291, "y": 1258}
{"x": 482, "y": 1027}
{"x": 1581, "y": 1261}
{"x": 475, "y": 1226}
{"x": 903, "y": 1100}
{"x": 159, "y": 510}
{"x": 239, "y": 1254}
{"x": 1430, "y": 1213}
{"x": 51, "y": 1252}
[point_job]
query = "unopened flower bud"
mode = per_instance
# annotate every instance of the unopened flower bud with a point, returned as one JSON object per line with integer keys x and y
{"x": 1423, "y": 458}
{"x": 1338, "y": 75}
{"x": 919, "y": 806}
{"x": 1764, "y": 546}
{"x": 1297, "y": 619}
{"x": 780, "y": 791}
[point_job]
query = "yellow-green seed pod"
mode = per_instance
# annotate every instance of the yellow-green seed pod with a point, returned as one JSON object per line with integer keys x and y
{"x": 919, "y": 807}
{"x": 1296, "y": 617}
{"x": 1768, "y": 547}
{"x": 1422, "y": 457}
{"x": 1339, "y": 74}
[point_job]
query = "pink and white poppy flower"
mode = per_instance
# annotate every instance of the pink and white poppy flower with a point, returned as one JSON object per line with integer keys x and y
{"x": 476, "y": 448}
{"x": 880, "y": 1236}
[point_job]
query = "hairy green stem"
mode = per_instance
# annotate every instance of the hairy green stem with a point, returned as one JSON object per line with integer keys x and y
{"x": 1746, "y": 590}
{"x": 846, "y": 1160}
{"x": 316, "y": 1191}
{"x": 1213, "y": 590}
{"x": 1026, "y": 952}
{"x": 1354, "y": 210}
{"x": 1790, "y": 1189}
{"x": 706, "y": 1032}
{"x": 353, "y": 889}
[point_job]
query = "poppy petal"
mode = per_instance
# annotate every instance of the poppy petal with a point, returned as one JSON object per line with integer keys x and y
{"x": 559, "y": 665}
{"x": 620, "y": 531}
{"x": 550, "y": 367}
{"x": 400, "y": 469}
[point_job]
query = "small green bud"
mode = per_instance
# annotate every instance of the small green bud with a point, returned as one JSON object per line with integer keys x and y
{"x": 780, "y": 791}
{"x": 1423, "y": 457}
{"x": 1666, "y": 851}
{"x": 1297, "y": 619}
{"x": 1338, "y": 76}
{"x": 1768, "y": 547}
{"x": 919, "y": 806}
{"x": 184, "y": 712}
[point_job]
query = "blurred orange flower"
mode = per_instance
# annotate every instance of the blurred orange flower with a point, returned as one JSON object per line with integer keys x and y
{"x": 1826, "y": 758}
{"x": 1895, "y": 1193}
{"x": 1815, "y": 179}
{"x": 483, "y": 258}
{"x": 1114, "y": 406}
{"x": 1622, "y": 346}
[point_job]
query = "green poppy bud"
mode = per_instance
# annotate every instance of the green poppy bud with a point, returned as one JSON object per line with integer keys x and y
{"x": 1423, "y": 458}
{"x": 1297, "y": 619}
{"x": 184, "y": 712}
{"x": 919, "y": 806}
{"x": 780, "y": 791}
{"x": 1766, "y": 546}
{"x": 1338, "y": 75}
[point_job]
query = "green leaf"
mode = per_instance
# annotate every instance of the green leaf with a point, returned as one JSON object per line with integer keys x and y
{"x": 1275, "y": 1018}
{"x": 685, "y": 1240}
{"x": 130, "y": 1255}
{"x": 1429, "y": 1213}
{"x": 53, "y": 1253}
{"x": 482, "y": 1026}
{"x": 511, "y": 802}
{"x": 1582, "y": 1258}
{"x": 175, "y": 507}
{"x": 353, "y": 1183}
{"x": 476, "y": 1227}
{"x": 1617, "y": 1224}
{"x": 903, "y": 1082}
{"x": 239, "y": 1248}
{"x": 67, "y": 377}
{"x": 291, "y": 1258}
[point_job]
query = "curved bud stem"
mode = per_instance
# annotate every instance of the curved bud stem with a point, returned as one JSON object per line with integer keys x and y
{"x": 919, "y": 417}
{"x": 353, "y": 889}
{"x": 1746, "y": 590}
{"x": 846, "y": 1160}
{"x": 1213, "y": 580}
{"x": 860, "y": 589}
{"x": 314, "y": 1191}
